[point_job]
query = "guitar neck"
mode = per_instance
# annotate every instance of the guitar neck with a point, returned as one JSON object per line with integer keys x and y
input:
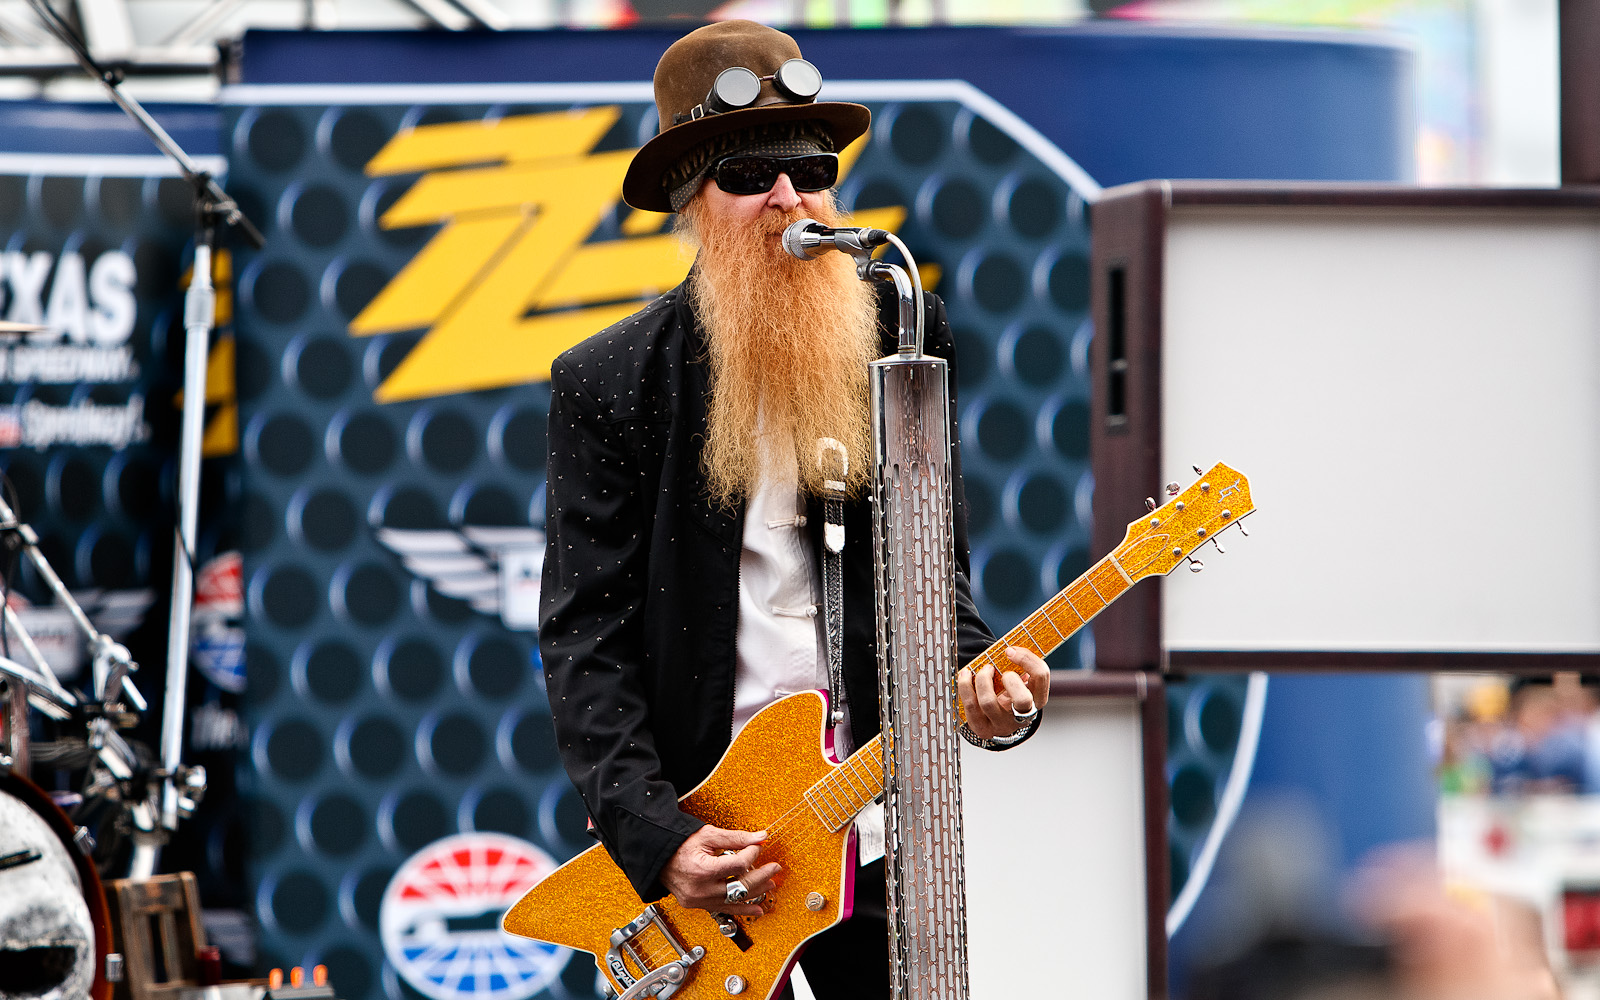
{"x": 850, "y": 787}
{"x": 1053, "y": 624}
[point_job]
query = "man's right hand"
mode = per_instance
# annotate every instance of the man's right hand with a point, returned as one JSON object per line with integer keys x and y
{"x": 698, "y": 874}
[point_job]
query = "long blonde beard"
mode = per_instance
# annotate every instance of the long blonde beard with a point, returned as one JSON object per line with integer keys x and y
{"x": 789, "y": 343}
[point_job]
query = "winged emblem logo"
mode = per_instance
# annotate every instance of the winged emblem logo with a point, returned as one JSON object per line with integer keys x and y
{"x": 495, "y": 570}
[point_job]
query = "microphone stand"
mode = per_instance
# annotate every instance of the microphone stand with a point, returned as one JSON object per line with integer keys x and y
{"x": 212, "y": 207}
{"x": 913, "y": 534}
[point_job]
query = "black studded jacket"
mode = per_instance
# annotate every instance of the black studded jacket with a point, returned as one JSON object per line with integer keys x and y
{"x": 639, "y": 608}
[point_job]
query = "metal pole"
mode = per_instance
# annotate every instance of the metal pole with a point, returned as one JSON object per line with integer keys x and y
{"x": 199, "y": 309}
{"x": 914, "y": 553}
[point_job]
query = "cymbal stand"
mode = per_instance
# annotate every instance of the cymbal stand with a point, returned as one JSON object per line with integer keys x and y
{"x": 213, "y": 208}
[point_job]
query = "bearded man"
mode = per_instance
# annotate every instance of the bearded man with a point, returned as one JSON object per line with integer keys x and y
{"x": 684, "y": 518}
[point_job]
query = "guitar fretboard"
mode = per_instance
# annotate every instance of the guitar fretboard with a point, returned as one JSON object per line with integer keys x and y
{"x": 848, "y": 788}
{"x": 852, "y": 785}
{"x": 1062, "y": 615}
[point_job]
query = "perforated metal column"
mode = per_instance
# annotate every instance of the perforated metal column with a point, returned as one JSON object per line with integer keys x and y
{"x": 913, "y": 544}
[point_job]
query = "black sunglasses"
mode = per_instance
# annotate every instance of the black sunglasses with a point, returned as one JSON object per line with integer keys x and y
{"x": 755, "y": 174}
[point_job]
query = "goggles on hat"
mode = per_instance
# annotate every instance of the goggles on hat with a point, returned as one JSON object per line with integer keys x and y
{"x": 754, "y": 173}
{"x": 737, "y": 87}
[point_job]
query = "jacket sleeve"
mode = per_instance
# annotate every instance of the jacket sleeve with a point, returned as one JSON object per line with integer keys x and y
{"x": 590, "y": 639}
{"x": 973, "y": 636}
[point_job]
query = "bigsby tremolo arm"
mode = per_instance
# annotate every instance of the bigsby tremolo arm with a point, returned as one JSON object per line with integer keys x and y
{"x": 659, "y": 982}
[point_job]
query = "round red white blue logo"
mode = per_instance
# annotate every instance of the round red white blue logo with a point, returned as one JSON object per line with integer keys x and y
{"x": 440, "y": 920}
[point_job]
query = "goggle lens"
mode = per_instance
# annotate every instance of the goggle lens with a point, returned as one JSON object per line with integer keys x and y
{"x": 736, "y": 88}
{"x": 757, "y": 174}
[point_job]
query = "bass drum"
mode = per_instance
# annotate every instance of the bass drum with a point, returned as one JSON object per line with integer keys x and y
{"x": 55, "y": 928}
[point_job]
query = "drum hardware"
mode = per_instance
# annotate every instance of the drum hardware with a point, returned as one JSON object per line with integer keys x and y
{"x": 122, "y": 791}
{"x": 119, "y": 796}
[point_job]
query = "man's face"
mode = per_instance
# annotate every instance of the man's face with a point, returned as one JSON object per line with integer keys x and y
{"x": 782, "y": 199}
{"x": 788, "y": 340}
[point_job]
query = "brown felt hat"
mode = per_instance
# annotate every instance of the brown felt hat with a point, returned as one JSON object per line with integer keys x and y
{"x": 683, "y": 79}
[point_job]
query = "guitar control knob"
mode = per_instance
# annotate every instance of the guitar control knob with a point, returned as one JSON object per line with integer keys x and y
{"x": 814, "y": 901}
{"x": 726, "y": 925}
{"x": 734, "y": 984}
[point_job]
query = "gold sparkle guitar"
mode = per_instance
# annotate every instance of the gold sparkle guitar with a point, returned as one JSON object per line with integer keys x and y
{"x": 778, "y": 777}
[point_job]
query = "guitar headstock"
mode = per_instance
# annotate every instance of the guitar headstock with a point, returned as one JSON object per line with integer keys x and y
{"x": 1156, "y": 543}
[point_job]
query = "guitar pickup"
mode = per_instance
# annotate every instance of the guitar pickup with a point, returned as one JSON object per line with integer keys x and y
{"x": 629, "y": 957}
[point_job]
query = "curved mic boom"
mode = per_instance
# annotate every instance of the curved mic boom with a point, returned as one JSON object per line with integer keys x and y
{"x": 809, "y": 239}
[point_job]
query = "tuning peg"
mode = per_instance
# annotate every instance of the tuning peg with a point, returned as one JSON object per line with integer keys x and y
{"x": 1149, "y": 504}
{"x": 1196, "y": 469}
{"x": 1243, "y": 530}
{"x": 1195, "y": 565}
{"x": 1172, "y": 489}
{"x": 1218, "y": 543}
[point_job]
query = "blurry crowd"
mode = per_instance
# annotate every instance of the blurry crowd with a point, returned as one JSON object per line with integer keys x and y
{"x": 1281, "y": 923}
{"x": 1522, "y": 736}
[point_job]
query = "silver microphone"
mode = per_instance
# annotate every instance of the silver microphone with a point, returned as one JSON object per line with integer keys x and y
{"x": 809, "y": 239}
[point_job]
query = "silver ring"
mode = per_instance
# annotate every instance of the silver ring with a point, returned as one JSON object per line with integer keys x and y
{"x": 1024, "y": 718}
{"x": 737, "y": 891}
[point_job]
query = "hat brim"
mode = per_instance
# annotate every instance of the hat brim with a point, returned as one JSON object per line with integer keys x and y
{"x": 642, "y": 185}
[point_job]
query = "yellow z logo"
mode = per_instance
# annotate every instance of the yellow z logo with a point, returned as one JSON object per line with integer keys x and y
{"x": 510, "y": 282}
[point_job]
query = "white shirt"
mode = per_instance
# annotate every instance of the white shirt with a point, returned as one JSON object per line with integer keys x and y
{"x": 781, "y": 645}
{"x": 781, "y": 640}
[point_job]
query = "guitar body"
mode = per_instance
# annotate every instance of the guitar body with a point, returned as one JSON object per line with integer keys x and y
{"x": 759, "y": 784}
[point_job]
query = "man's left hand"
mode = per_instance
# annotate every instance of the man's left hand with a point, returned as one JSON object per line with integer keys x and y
{"x": 988, "y": 696}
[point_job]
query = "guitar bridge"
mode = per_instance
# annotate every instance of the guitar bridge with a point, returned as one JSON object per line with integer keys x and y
{"x": 636, "y": 945}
